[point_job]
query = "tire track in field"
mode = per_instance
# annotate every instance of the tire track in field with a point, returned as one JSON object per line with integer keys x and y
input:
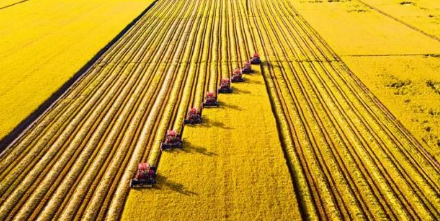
{"x": 315, "y": 65}
{"x": 322, "y": 101}
{"x": 270, "y": 54}
{"x": 432, "y": 184}
{"x": 334, "y": 154}
{"x": 370, "y": 98}
{"x": 336, "y": 194}
{"x": 101, "y": 124}
{"x": 202, "y": 39}
{"x": 97, "y": 197}
{"x": 109, "y": 194}
{"x": 12, "y": 157}
{"x": 91, "y": 191}
{"x": 171, "y": 107}
{"x": 150, "y": 92}
{"x": 308, "y": 188}
{"x": 307, "y": 81}
{"x": 11, "y": 160}
{"x": 129, "y": 59}
{"x": 60, "y": 142}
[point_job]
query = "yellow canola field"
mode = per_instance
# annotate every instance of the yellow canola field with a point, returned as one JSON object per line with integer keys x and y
{"x": 232, "y": 166}
{"x": 43, "y": 43}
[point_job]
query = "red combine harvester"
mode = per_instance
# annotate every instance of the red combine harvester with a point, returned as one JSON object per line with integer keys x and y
{"x": 237, "y": 76}
{"x": 225, "y": 86}
{"x": 210, "y": 100}
{"x": 256, "y": 59}
{"x": 145, "y": 176}
{"x": 246, "y": 68}
{"x": 194, "y": 117}
{"x": 172, "y": 140}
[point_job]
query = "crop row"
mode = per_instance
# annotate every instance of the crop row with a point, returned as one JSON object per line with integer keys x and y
{"x": 353, "y": 159}
{"x": 76, "y": 161}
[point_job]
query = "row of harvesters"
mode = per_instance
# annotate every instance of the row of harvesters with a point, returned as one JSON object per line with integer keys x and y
{"x": 146, "y": 174}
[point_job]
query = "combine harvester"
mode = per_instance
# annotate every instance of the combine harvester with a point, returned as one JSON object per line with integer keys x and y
{"x": 246, "y": 68}
{"x": 237, "y": 76}
{"x": 256, "y": 59}
{"x": 145, "y": 176}
{"x": 194, "y": 117}
{"x": 172, "y": 140}
{"x": 225, "y": 86}
{"x": 210, "y": 100}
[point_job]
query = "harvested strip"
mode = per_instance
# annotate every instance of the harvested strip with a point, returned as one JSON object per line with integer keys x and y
{"x": 221, "y": 173}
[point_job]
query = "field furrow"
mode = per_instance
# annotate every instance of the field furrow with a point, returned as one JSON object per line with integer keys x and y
{"x": 338, "y": 117}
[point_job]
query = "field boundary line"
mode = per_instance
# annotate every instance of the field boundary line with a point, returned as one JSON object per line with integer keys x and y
{"x": 16, "y": 133}
{"x": 372, "y": 96}
{"x": 15, "y": 3}
{"x": 400, "y": 21}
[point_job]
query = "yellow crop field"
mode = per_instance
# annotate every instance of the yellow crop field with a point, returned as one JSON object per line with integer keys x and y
{"x": 409, "y": 88}
{"x": 222, "y": 173}
{"x": 421, "y": 15}
{"x": 44, "y": 42}
{"x": 334, "y": 122}
{"x": 351, "y": 29}
{"x": 331, "y": 125}
{"x": 402, "y": 72}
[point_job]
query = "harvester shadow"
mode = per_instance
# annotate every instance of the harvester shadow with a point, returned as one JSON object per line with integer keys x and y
{"x": 212, "y": 123}
{"x": 240, "y": 91}
{"x": 224, "y": 105}
{"x": 252, "y": 81}
{"x": 191, "y": 148}
{"x": 163, "y": 182}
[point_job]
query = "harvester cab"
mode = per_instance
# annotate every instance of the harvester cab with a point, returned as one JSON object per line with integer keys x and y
{"x": 256, "y": 59}
{"x": 145, "y": 176}
{"x": 225, "y": 86}
{"x": 210, "y": 100}
{"x": 194, "y": 117}
{"x": 237, "y": 76}
{"x": 172, "y": 140}
{"x": 246, "y": 68}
